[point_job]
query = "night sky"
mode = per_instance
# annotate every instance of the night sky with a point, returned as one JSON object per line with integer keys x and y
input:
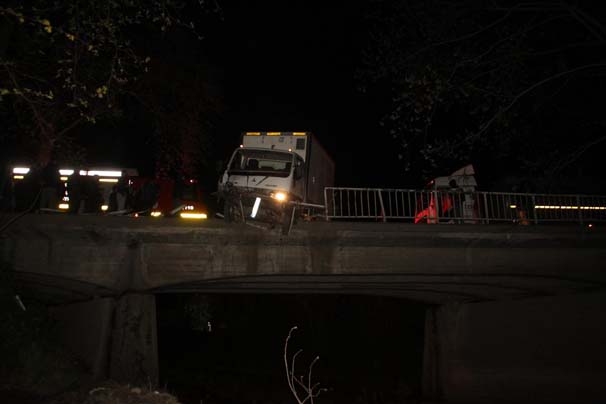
{"x": 295, "y": 66}
{"x": 291, "y": 66}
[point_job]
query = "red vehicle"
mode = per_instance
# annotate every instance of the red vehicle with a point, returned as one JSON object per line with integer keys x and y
{"x": 166, "y": 197}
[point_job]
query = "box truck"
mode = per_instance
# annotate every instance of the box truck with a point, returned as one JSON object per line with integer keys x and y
{"x": 272, "y": 175}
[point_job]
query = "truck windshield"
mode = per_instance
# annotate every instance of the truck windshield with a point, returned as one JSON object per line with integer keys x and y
{"x": 263, "y": 162}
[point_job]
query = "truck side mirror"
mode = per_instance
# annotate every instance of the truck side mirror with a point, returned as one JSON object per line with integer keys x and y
{"x": 298, "y": 172}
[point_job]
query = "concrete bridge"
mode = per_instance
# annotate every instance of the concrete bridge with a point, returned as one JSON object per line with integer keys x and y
{"x": 513, "y": 311}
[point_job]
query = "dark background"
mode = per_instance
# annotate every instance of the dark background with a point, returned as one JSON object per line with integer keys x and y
{"x": 291, "y": 66}
{"x": 272, "y": 66}
{"x": 370, "y": 348}
{"x": 295, "y": 66}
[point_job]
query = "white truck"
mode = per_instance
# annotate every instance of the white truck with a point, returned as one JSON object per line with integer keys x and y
{"x": 272, "y": 174}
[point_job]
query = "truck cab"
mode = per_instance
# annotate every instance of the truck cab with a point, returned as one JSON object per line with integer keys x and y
{"x": 272, "y": 173}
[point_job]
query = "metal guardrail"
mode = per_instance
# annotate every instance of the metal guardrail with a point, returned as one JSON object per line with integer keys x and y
{"x": 427, "y": 206}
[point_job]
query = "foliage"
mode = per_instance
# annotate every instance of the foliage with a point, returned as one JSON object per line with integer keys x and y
{"x": 199, "y": 313}
{"x": 470, "y": 78}
{"x": 68, "y": 63}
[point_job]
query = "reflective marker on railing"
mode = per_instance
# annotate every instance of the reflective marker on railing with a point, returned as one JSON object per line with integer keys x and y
{"x": 570, "y": 207}
{"x": 255, "y": 207}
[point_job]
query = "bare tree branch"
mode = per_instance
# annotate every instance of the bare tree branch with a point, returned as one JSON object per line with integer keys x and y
{"x": 310, "y": 391}
{"x": 529, "y": 89}
{"x": 577, "y": 154}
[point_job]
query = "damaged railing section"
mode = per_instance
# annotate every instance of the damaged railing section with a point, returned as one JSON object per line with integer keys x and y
{"x": 456, "y": 206}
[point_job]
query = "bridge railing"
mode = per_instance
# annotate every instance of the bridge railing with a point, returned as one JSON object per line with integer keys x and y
{"x": 431, "y": 206}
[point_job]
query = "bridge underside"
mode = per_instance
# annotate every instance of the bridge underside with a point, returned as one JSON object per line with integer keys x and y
{"x": 515, "y": 313}
{"x": 431, "y": 289}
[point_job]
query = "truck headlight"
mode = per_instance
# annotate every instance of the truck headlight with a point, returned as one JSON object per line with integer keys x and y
{"x": 279, "y": 196}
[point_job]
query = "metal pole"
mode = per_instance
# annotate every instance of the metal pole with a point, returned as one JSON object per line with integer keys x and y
{"x": 325, "y": 205}
{"x": 382, "y": 207}
{"x": 486, "y": 214}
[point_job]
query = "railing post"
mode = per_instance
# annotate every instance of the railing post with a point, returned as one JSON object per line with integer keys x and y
{"x": 325, "y": 204}
{"x": 486, "y": 213}
{"x": 534, "y": 210}
{"x": 382, "y": 207}
{"x": 437, "y": 204}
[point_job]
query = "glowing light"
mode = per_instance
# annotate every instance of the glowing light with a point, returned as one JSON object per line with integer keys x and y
{"x": 241, "y": 145}
{"x": 299, "y": 133}
{"x": 63, "y": 178}
{"x": 189, "y": 215}
{"x": 156, "y": 213}
{"x": 64, "y": 206}
{"x": 567, "y": 207}
{"x": 20, "y": 170}
{"x": 188, "y": 207}
{"x": 590, "y": 225}
{"x": 104, "y": 208}
{"x": 273, "y": 133}
{"x": 279, "y": 196}
{"x": 255, "y": 207}
{"x": 66, "y": 172}
{"x": 83, "y": 172}
{"x": 513, "y": 206}
{"x": 253, "y": 133}
{"x": 289, "y": 150}
{"x": 104, "y": 173}
{"x": 18, "y": 177}
{"x": 108, "y": 180}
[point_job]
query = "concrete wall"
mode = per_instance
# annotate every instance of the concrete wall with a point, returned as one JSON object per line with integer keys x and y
{"x": 114, "y": 338}
{"x": 85, "y": 329}
{"x": 541, "y": 350}
{"x": 134, "y": 350}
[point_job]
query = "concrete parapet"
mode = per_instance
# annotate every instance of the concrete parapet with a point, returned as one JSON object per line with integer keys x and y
{"x": 109, "y": 256}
